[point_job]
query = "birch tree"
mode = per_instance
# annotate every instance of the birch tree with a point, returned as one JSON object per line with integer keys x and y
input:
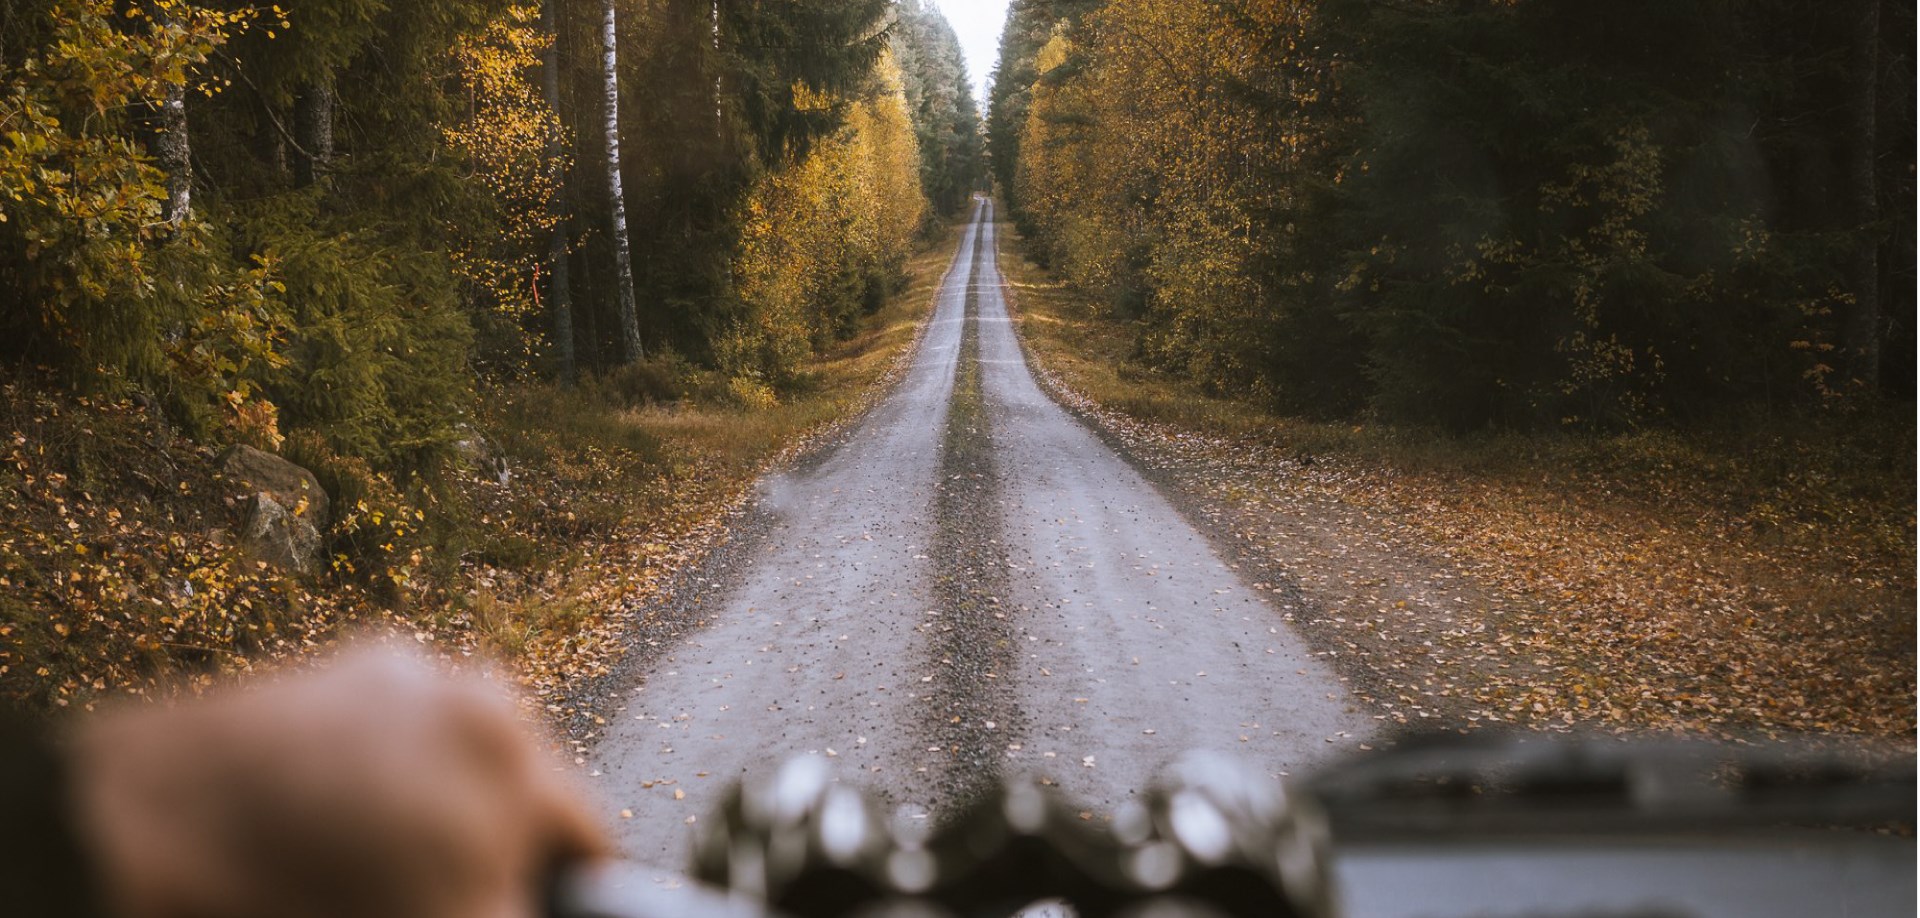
{"x": 172, "y": 151}
{"x": 630, "y": 347}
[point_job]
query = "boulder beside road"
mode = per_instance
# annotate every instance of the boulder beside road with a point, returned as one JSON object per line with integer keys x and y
{"x": 291, "y": 486}
{"x": 276, "y": 535}
{"x": 286, "y": 508}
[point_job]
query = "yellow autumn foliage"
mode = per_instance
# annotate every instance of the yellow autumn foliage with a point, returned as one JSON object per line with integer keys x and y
{"x": 1144, "y": 169}
{"x": 508, "y": 140}
{"x": 823, "y": 238}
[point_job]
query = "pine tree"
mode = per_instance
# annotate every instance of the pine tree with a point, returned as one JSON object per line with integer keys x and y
{"x": 1863, "y": 328}
{"x": 559, "y": 269}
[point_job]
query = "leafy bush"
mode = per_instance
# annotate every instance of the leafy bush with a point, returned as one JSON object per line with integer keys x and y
{"x": 375, "y": 536}
{"x": 107, "y": 287}
{"x": 663, "y": 377}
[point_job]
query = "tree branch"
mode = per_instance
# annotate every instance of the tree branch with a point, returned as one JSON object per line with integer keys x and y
{"x": 266, "y": 105}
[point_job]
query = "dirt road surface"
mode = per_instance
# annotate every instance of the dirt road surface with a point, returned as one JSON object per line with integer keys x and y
{"x": 966, "y": 585}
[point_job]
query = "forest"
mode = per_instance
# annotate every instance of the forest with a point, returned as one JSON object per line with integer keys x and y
{"x": 367, "y": 235}
{"x": 331, "y": 218}
{"x": 1476, "y": 214}
{"x": 1612, "y": 304}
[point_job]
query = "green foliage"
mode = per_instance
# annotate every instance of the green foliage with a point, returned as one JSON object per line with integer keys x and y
{"x": 378, "y": 346}
{"x": 1575, "y": 228}
{"x": 376, "y": 536}
{"x": 821, "y": 241}
{"x": 714, "y": 99}
{"x": 339, "y": 306}
{"x": 320, "y": 229}
{"x": 1030, "y": 23}
{"x": 308, "y": 42}
{"x": 506, "y": 140}
{"x": 946, "y": 119}
{"x": 373, "y": 190}
{"x": 793, "y": 65}
{"x": 664, "y": 377}
{"x": 107, "y": 289}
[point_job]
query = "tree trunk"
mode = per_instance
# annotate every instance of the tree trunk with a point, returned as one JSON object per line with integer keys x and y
{"x": 589, "y": 344}
{"x": 1861, "y": 330}
{"x": 561, "y": 294}
{"x": 170, "y": 148}
{"x": 313, "y": 133}
{"x": 630, "y": 348}
{"x": 718, "y": 119}
{"x": 270, "y": 144}
{"x": 173, "y": 154}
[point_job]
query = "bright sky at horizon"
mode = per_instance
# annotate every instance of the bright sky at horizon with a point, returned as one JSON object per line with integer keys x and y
{"x": 978, "y": 23}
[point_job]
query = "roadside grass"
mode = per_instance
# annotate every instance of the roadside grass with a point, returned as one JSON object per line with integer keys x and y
{"x": 1097, "y": 356}
{"x": 1852, "y": 470}
{"x": 1750, "y": 575}
{"x": 620, "y": 481}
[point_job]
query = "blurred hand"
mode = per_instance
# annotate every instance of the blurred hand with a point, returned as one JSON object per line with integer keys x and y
{"x": 375, "y": 787}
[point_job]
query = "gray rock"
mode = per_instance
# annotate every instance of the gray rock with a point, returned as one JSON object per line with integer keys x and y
{"x": 480, "y": 454}
{"x": 274, "y": 534}
{"x": 289, "y": 485}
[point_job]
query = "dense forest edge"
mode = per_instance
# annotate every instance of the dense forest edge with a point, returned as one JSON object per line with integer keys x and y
{"x": 1610, "y": 305}
{"x": 470, "y": 318}
{"x": 1478, "y": 215}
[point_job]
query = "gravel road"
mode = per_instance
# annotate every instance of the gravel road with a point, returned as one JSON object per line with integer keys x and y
{"x": 968, "y": 584}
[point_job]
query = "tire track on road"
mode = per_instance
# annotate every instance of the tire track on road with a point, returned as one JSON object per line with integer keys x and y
{"x": 814, "y": 636}
{"x": 973, "y": 707}
{"x": 1136, "y": 639}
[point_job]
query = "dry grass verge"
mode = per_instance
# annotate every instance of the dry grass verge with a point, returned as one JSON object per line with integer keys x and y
{"x": 619, "y": 497}
{"x": 1744, "y": 580}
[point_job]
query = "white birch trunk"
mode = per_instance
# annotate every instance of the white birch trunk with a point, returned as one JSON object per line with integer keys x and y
{"x": 174, "y": 155}
{"x": 718, "y": 124}
{"x": 171, "y": 150}
{"x": 630, "y": 347}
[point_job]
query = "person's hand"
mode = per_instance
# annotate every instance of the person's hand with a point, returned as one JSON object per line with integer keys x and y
{"x": 375, "y": 787}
